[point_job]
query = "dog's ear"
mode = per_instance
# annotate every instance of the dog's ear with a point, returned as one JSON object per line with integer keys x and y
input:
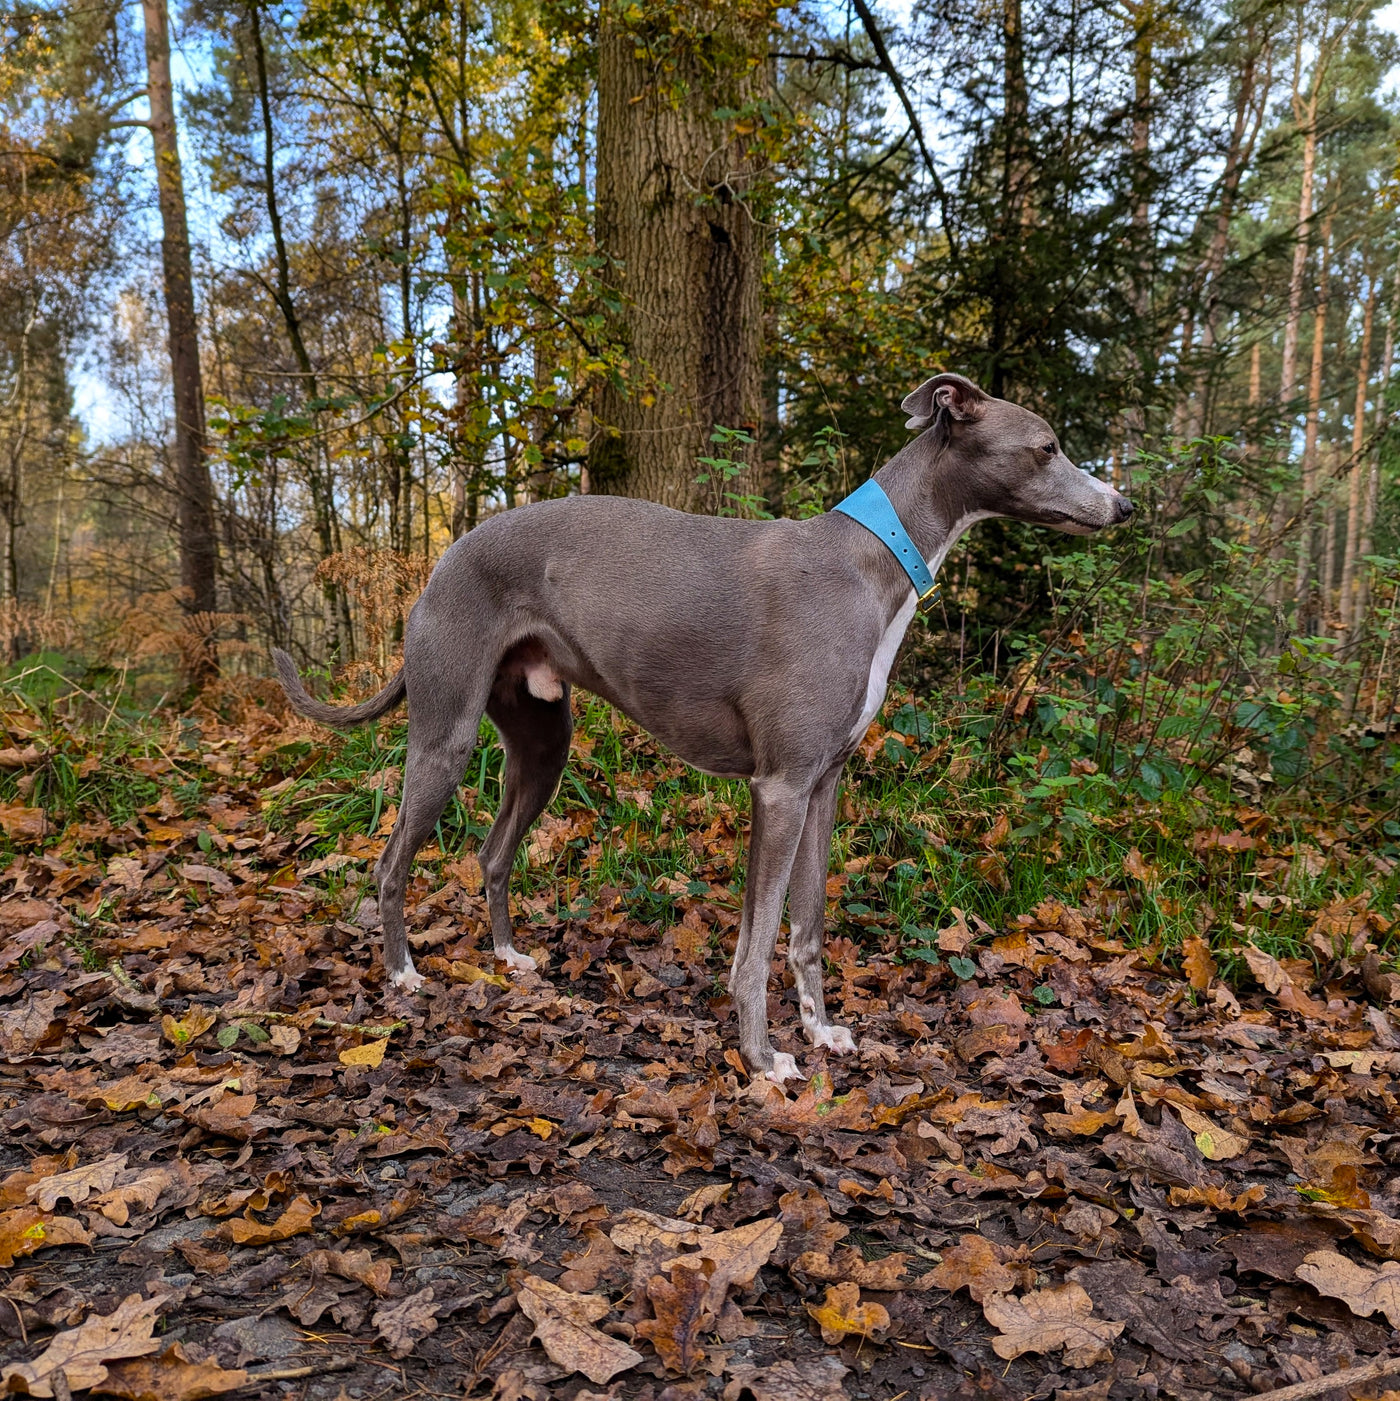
{"x": 955, "y": 393}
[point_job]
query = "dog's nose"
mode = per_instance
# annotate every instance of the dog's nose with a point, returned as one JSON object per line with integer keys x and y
{"x": 1125, "y": 508}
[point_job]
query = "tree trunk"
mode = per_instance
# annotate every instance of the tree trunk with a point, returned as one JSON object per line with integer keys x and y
{"x": 1356, "y": 473}
{"x": 684, "y": 248}
{"x": 1306, "y": 543}
{"x": 318, "y": 480}
{"x": 1244, "y": 133}
{"x": 1140, "y": 294}
{"x": 1373, "y": 476}
{"x": 199, "y": 561}
{"x": 1016, "y": 208}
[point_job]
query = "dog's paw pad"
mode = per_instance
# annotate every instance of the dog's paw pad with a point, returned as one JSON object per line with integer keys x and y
{"x": 407, "y": 980}
{"x": 834, "y": 1038}
{"x": 784, "y": 1068}
{"x": 520, "y": 962}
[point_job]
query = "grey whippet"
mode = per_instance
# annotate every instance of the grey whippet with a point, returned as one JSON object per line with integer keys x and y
{"x": 753, "y": 649}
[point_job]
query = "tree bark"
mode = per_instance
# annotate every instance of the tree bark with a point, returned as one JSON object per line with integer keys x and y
{"x": 194, "y": 489}
{"x": 1356, "y": 473}
{"x": 684, "y": 249}
{"x": 1016, "y": 206}
{"x": 1306, "y": 543}
{"x": 1373, "y": 476}
{"x": 322, "y": 490}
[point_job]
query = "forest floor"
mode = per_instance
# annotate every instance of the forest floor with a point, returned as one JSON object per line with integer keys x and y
{"x": 1066, "y": 1161}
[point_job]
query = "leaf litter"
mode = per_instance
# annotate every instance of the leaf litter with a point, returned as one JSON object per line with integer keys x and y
{"x": 233, "y": 1156}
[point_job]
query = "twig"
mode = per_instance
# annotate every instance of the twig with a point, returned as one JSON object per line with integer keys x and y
{"x": 233, "y": 1014}
{"x": 1334, "y": 1381}
{"x": 287, "y": 1374}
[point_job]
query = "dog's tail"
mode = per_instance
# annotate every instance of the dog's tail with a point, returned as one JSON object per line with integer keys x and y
{"x": 341, "y": 716}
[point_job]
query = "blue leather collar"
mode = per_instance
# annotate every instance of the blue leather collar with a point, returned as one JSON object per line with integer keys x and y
{"x": 869, "y": 506}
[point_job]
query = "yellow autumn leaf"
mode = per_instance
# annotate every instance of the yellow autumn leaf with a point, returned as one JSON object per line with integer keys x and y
{"x": 1215, "y": 1143}
{"x": 469, "y": 973}
{"x": 371, "y": 1054}
{"x": 188, "y": 1028}
{"x": 843, "y": 1313}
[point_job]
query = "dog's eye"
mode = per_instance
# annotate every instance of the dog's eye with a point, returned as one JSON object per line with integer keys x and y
{"x": 1048, "y": 449}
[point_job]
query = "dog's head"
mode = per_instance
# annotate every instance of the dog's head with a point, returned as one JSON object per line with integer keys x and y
{"x": 1011, "y": 461}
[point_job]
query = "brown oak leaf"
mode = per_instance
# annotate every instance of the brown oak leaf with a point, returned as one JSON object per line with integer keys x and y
{"x": 83, "y": 1352}
{"x": 797, "y": 1379}
{"x": 27, "y": 1229}
{"x": 1047, "y": 1320}
{"x": 564, "y": 1328}
{"x": 247, "y": 1230}
{"x": 406, "y": 1321}
{"x": 170, "y": 1377}
{"x": 979, "y": 1266}
{"x": 680, "y": 1305}
{"x": 1363, "y": 1290}
{"x": 888, "y": 1273}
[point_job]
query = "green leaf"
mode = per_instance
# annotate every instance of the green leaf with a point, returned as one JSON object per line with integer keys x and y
{"x": 965, "y": 968}
{"x": 227, "y": 1035}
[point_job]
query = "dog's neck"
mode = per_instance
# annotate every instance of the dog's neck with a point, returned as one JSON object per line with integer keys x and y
{"x": 932, "y": 499}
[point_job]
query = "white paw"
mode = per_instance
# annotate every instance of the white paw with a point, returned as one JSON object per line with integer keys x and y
{"x": 520, "y": 962}
{"x": 833, "y": 1038}
{"x": 407, "y": 979}
{"x": 784, "y": 1068}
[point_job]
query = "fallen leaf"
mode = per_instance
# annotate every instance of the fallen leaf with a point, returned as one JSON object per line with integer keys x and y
{"x": 843, "y": 1314}
{"x": 977, "y": 1265}
{"x": 1363, "y": 1290}
{"x": 635, "y": 1229}
{"x": 77, "y": 1184}
{"x": 850, "y": 1266}
{"x": 1215, "y": 1143}
{"x": 23, "y": 826}
{"x": 188, "y": 1028}
{"x": 694, "y": 1207}
{"x": 1137, "y": 868}
{"x": 1217, "y": 1198}
{"x": 206, "y": 875}
{"x": 1199, "y": 965}
{"x": 564, "y": 1328}
{"x": 1275, "y": 978}
{"x": 140, "y": 1190}
{"x": 371, "y": 1054}
{"x": 737, "y": 1256}
{"x": 794, "y": 1379}
{"x": 170, "y": 1377}
{"x": 1081, "y": 1121}
{"x": 24, "y": 1027}
{"x": 1047, "y": 1320}
{"x": 83, "y": 1352}
{"x": 681, "y": 1314}
{"x": 27, "y": 1229}
{"x": 406, "y": 1322}
{"x": 247, "y": 1230}
{"x": 358, "y": 1265}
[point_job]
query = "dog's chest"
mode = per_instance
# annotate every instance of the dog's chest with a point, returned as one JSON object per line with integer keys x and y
{"x": 880, "y": 665}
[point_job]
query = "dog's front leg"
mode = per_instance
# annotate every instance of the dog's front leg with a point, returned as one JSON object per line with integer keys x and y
{"x": 807, "y": 915}
{"x": 779, "y": 812}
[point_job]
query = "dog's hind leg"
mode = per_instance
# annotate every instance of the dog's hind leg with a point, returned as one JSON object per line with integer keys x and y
{"x": 779, "y": 812}
{"x": 535, "y": 734}
{"x": 807, "y": 914}
{"x": 441, "y": 738}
